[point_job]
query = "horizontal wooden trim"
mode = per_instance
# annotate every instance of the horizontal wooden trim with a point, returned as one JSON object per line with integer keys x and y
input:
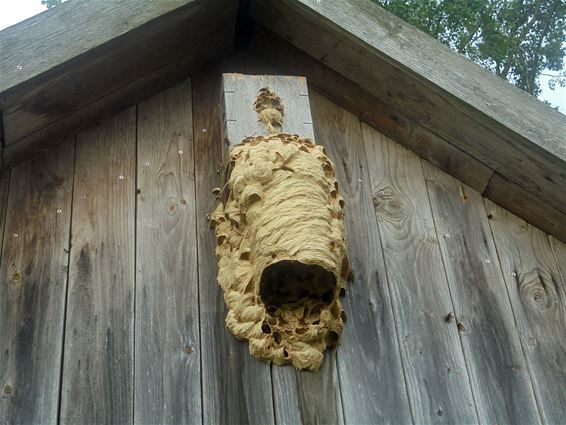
{"x": 527, "y": 206}
{"x": 372, "y": 110}
{"x": 83, "y": 51}
{"x": 506, "y": 129}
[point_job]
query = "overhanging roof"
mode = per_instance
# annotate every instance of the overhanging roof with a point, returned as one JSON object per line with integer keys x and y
{"x": 69, "y": 67}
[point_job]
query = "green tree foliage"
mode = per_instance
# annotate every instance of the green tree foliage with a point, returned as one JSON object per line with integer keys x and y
{"x": 515, "y": 39}
{"x": 51, "y": 3}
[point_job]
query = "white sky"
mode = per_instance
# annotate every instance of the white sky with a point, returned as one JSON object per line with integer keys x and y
{"x": 14, "y": 11}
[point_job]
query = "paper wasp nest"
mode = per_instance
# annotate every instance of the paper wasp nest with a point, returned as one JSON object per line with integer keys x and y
{"x": 281, "y": 249}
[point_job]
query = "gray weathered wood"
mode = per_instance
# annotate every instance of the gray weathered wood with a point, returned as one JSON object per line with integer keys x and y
{"x": 302, "y": 397}
{"x": 98, "y": 368}
{"x": 33, "y": 284}
{"x": 369, "y": 362}
{"x": 4, "y": 183}
{"x": 523, "y": 203}
{"x": 236, "y": 388}
{"x": 108, "y": 105}
{"x": 437, "y": 378}
{"x": 559, "y": 249}
{"x": 371, "y": 109}
{"x": 239, "y": 93}
{"x": 481, "y": 303}
{"x": 167, "y": 351}
{"x": 489, "y": 119}
{"x": 538, "y": 298}
{"x": 58, "y": 77}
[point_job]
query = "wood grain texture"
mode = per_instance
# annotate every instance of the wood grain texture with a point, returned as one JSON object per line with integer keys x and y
{"x": 481, "y": 303}
{"x": 98, "y": 368}
{"x": 523, "y": 203}
{"x": 538, "y": 298}
{"x": 4, "y": 186}
{"x": 371, "y": 109}
{"x": 104, "y": 56}
{"x": 33, "y": 284}
{"x": 236, "y": 388}
{"x": 370, "y": 369}
{"x": 167, "y": 346}
{"x": 441, "y": 90}
{"x": 239, "y": 93}
{"x": 110, "y": 104}
{"x": 302, "y": 397}
{"x": 559, "y": 249}
{"x": 41, "y": 43}
{"x": 437, "y": 378}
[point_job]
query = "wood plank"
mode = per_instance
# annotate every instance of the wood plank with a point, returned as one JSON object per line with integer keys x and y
{"x": 559, "y": 249}
{"x": 239, "y": 90}
{"x": 444, "y": 92}
{"x": 523, "y": 203}
{"x": 4, "y": 185}
{"x": 301, "y": 397}
{"x": 437, "y": 378}
{"x": 33, "y": 285}
{"x": 98, "y": 360}
{"x": 371, "y": 109}
{"x": 538, "y": 298}
{"x": 110, "y": 104}
{"x": 167, "y": 351}
{"x": 490, "y": 339}
{"x": 236, "y": 388}
{"x": 57, "y": 78}
{"x": 369, "y": 362}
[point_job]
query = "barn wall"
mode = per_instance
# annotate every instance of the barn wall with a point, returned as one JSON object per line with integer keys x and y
{"x": 110, "y": 311}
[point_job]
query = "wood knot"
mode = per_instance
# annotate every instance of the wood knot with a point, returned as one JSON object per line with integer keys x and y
{"x": 269, "y": 107}
{"x": 390, "y": 205}
{"x": 538, "y": 289}
{"x": 8, "y": 390}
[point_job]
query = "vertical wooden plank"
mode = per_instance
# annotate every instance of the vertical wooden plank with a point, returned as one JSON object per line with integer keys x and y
{"x": 302, "y": 397}
{"x": 236, "y": 388}
{"x": 33, "y": 284}
{"x": 490, "y": 339}
{"x": 4, "y": 184}
{"x": 239, "y": 93}
{"x": 167, "y": 352}
{"x": 538, "y": 298}
{"x": 370, "y": 370}
{"x": 559, "y": 249}
{"x": 98, "y": 360}
{"x": 438, "y": 382}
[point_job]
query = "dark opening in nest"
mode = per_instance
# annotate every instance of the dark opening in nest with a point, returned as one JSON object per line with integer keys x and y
{"x": 292, "y": 282}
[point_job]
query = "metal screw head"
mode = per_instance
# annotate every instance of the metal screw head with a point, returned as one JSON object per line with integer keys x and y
{"x": 318, "y": 1}
{"x": 447, "y": 235}
{"x": 83, "y": 196}
{"x": 180, "y": 151}
{"x": 15, "y": 235}
{"x": 513, "y": 274}
{"x": 121, "y": 177}
{"x": 204, "y": 130}
{"x": 146, "y": 163}
{"x": 19, "y": 67}
{"x": 487, "y": 260}
{"x": 359, "y": 179}
{"x": 59, "y": 211}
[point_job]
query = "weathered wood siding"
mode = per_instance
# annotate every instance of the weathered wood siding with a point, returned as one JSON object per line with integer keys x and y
{"x": 110, "y": 310}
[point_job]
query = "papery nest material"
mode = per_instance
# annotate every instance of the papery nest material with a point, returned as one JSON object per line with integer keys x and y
{"x": 281, "y": 248}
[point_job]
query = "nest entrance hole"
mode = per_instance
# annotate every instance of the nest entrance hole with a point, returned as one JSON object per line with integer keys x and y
{"x": 290, "y": 282}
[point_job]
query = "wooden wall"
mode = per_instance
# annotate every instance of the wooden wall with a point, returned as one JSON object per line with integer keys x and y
{"x": 110, "y": 311}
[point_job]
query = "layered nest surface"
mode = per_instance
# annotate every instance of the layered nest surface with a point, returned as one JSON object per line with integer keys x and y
{"x": 281, "y": 249}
